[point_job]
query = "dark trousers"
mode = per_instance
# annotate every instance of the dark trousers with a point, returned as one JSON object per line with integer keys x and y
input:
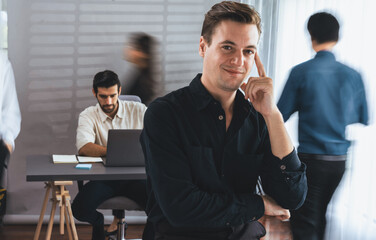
{"x": 323, "y": 177}
{"x": 4, "y": 155}
{"x": 249, "y": 231}
{"x": 94, "y": 193}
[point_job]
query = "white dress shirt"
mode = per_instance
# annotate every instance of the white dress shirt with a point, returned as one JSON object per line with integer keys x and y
{"x": 10, "y": 115}
{"x": 93, "y": 123}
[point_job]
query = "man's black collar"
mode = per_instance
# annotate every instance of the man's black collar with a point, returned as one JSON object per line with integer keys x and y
{"x": 202, "y": 98}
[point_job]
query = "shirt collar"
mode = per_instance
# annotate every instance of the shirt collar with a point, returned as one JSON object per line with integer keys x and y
{"x": 103, "y": 116}
{"x": 202, "y": 98}
{"x": 121, "y": 112}
{"x": 325, "y": 54}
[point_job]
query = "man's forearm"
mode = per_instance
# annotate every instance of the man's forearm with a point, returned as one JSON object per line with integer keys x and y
{"x": 279, "y": 139}
{"x": 93, "y": 150}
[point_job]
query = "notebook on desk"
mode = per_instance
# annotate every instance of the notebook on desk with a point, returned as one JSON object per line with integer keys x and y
{"x": 124, "y": 148}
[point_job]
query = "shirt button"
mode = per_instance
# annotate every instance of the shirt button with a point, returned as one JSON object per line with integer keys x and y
{"x": 220, "y": 117}
{"x": 223, "y": 175}
{"x": 227, "y": 224}
{"x": 283, "y": 167}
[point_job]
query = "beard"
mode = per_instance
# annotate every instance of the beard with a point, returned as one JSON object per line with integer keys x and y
{"x": 108, "y": 108}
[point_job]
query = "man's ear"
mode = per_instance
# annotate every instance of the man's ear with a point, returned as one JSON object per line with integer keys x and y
{"x": 119, "y": 91}
{"x": 202, "y": 47}
{"x": 95, "y": 95}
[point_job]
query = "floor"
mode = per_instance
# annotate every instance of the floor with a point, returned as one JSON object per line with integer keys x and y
{"x": 276, "y": 230}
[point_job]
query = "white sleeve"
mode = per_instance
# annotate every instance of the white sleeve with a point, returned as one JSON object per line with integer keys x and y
{"x": 10, "y": 110}
{"x": 85, "y": 131}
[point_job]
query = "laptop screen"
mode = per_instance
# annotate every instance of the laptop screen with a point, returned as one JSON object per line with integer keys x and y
{"x": 124, "y": 148}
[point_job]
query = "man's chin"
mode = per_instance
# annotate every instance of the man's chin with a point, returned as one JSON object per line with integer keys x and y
{"x": 108, "y": 110}
{"x": 232, "y": 87}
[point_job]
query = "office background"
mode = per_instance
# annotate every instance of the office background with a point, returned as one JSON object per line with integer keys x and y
{"x": 56, "y": 46}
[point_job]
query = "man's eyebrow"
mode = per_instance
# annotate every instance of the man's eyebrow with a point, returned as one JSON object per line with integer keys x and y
{"x": 232, "y": 43}
{"x": 105, "y": 95}
{"x": 228, "y": 42}
{"x": 252, "y": 46}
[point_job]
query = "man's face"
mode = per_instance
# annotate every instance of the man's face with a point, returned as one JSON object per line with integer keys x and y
{"x": 108, "y": 98}
{"x": 230, "y": 57}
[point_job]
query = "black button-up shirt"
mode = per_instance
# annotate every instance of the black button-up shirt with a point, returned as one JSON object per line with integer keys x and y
{"x": 202, "y": 177}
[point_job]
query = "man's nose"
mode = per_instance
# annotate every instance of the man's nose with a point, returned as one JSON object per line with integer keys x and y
{"x": 237, "y": 58}
{"x": 109, "y": 100}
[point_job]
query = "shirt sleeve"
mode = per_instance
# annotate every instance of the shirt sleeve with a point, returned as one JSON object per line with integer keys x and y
{"x": 85, "y": 131}
{"x": 284, "y": 180}
{"x": 288, "y": 102}
{"x": 10, "y": 112}
{"x": 181, "y": 201}
{"x": 362, "y": 103}
{"x": 141, "y": 113}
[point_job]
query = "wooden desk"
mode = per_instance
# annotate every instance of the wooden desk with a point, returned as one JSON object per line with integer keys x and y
{"x": 57, "y": 176}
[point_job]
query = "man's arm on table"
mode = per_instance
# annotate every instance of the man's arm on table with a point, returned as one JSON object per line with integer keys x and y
{"x": 86, "y": 137}
{"x": 92, "y": 150}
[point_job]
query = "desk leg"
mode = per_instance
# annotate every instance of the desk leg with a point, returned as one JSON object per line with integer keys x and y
{"x": 69, "y": 230}
{"x": 72, "y": 220}
{"x": 62, "y": 208}
{"x": 51, "y": 222}
{"x": 61, "y": 196}
{"x": 42, "y": 212}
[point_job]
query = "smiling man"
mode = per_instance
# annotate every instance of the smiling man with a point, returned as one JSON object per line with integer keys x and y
{"x": 206, "y": 145}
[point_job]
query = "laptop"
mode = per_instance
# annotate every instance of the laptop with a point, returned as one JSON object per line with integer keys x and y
{"x": 124, "y": 148}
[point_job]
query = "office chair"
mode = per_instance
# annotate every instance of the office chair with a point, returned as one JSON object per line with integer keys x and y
{"x": 120, "y": 204}
{"x": 133, "y": 98}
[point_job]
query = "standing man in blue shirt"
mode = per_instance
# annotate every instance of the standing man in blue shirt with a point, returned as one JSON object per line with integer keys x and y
{"x": 205, "y": 145}
{"x": 328, "y": 96}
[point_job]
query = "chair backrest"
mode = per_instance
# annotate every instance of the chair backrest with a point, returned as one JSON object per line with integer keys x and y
{"x": 132, "y": 98}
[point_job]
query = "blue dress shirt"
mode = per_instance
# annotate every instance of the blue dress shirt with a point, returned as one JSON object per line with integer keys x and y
{"x": 328, "y": 96}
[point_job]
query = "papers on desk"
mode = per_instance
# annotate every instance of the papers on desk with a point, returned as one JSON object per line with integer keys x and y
{"x": 64, "y": 158}
{"x": 74, "y": 159}
{"x": 82, "y": 159}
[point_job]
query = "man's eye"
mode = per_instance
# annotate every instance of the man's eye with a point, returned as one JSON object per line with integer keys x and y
{"x": 227, "y": 47}
{"x": 249, "y": 52}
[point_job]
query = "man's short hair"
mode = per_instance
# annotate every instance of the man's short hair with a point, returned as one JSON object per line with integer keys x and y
{"x": 228, "y": 10}
{"x": 105, "y": 79}
{"x": 323, "y": 27}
